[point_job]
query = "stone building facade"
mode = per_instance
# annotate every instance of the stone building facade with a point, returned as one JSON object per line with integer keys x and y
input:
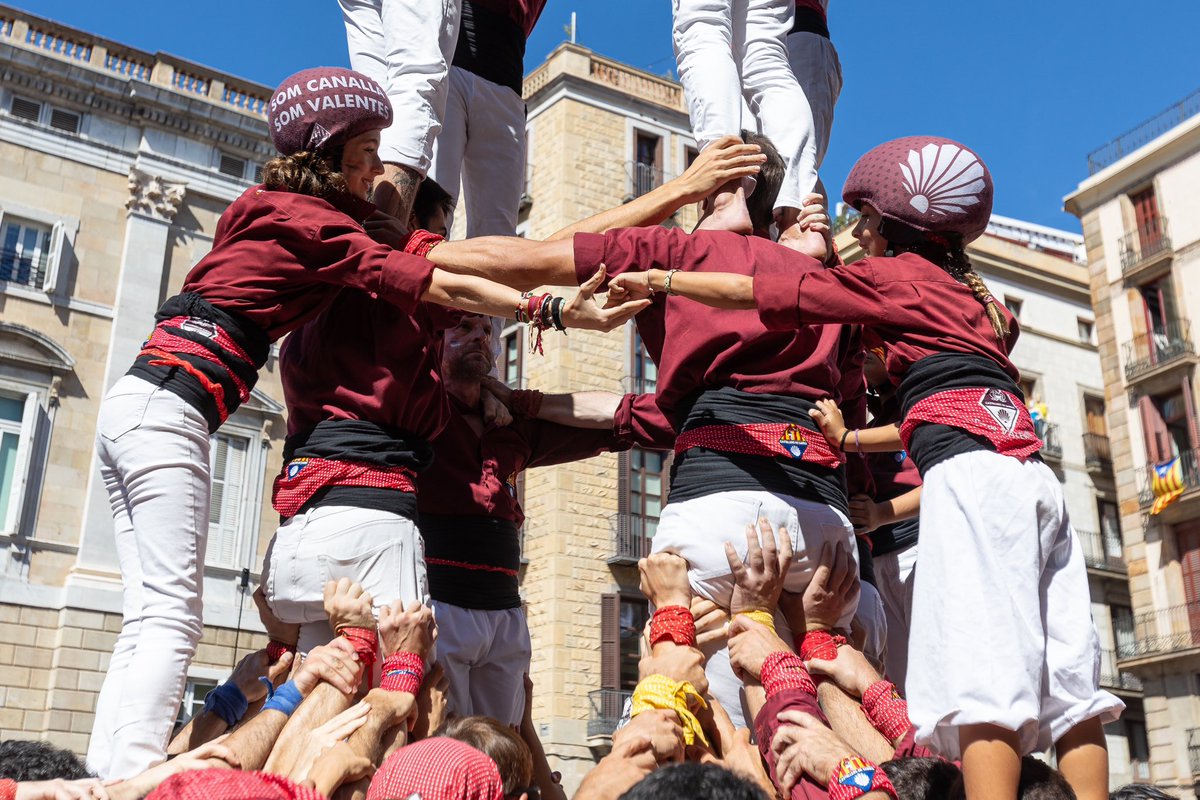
{"x": 115, "y": 165}
{"x": 1141, "y": 225}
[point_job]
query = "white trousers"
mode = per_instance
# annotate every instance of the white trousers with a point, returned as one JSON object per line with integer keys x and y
{"x": 728, "y": 51}
{"x": 482, "y": 146}
{"x": 871, "y": 619}
{"x": 894, "y": 577}
{"x": 378, "y": 549}
{"x": 486, "y": 656}
{"x": 1001, "y": 622}
{"x": 154, "y": 458}
{"x": 698, "y": 529}
{"x": 406, "y": 46}
{"x": 814, "y": 62}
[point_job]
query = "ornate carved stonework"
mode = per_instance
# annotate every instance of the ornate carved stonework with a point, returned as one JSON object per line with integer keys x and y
{"x": 151, "y": 195}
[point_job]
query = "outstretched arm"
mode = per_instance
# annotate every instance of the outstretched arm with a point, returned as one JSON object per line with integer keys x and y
{"x": 725, "y": 160}
{"x": 716, "y": 289}
{"x": 511, "y": 260}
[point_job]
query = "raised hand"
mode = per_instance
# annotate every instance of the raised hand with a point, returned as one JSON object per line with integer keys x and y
{"x": 749, "y": 645}
{"x": 833, "y": 588}
{"x": 760, "y": 576}
{"x": 850, "y": 670}
{"x": 660, "y": 727}
{"x": 335, "y": 663}
{"x": 678, "y": 664}
{"x": 348, "y": 605}
{"x": 250, "y": 671}
{"x": 664, "y": 580}
{"x": 406, "y": 628}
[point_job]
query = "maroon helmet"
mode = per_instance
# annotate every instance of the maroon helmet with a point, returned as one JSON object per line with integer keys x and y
{"x": 323, "y": 107}
{"x": 928, "y": 183}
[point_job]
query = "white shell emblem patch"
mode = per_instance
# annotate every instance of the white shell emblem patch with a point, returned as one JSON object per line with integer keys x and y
{"x": 942, "y": 178}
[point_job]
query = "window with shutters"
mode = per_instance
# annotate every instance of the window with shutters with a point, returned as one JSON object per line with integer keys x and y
{"x": 646, "y": 167}
{"x": 643, "y": 371}
{"x": 25, "y": 248}
{"x": 14, "y": 457}
{"x": 228, "y": 511}
{"x": 622, "y": 620}
{"x": 1148, "y": 221}
{"x": 1110, "y": 528}
{"x": 1123, "y": 633}
{"x": 1187, "y": 542}
{"x": 1167, "y": 426}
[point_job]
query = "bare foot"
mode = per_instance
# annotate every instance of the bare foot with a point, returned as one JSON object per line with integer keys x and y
{"x": 729, "y": 211}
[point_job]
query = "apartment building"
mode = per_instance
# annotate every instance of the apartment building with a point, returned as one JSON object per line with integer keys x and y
{"x": 115, "y": 165}
{"x": 1141, "y": 225}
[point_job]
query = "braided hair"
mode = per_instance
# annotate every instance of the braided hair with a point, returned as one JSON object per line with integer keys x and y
{"x": 948, "y": 252}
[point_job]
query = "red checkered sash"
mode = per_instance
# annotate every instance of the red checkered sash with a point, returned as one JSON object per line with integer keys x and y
{"x": 301, "y": 478}
{"x": 998, "y": 415}
{"x": 766, "y": 439}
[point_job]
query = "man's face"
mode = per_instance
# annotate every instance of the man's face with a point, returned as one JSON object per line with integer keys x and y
{"x": 468, "y": 350}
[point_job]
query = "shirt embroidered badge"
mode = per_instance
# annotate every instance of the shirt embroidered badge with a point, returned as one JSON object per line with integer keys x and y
{"x": 794, "y": 442}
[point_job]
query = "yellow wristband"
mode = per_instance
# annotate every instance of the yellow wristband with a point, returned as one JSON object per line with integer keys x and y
{"x": 659, "y": 691}
{"x": 761, "y": 617}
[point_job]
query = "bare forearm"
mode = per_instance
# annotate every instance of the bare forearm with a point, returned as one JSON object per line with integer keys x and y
{"x": 252, "y": 742}
{"x": 472, "y": 293}
{"x": 756, "y": 698}
{"x": 847, "y": 720}
{"x": 716, "y": 289}
{"x": 325, "y": 701}
{"x": 580, "y": 409}
{"x": 542, "y": 774}
{"x": 906, "y": 506}
{"x": 649, "y": 209}
{"x": 885, "y": 439}
{"x": 511, "y": 260}
{"x": 204, "y": 727}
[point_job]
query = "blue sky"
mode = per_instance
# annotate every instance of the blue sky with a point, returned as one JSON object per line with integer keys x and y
{"x": 1033, "y": 86}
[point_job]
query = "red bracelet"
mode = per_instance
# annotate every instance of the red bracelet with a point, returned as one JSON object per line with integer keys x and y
{"x": 525, "y": 403}
{"x": 673, "y": 623}
{"x": 886, "y": 709}
{"x": 821, "y": 645}
{"x": 403, "y": 672}
{"x": 276, "y": 649}
{"x": 784, "y": 670}
{"x": 853, "y": 777}
{"x": 365, "y": 641}
{"x": 420, "y": 242}
{"x": 8, "y": 789}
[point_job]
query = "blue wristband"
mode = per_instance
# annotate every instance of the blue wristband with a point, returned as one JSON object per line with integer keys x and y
{"x": 228, "y": 702}
{"x": 265, "y": 681}
{"x": 285, "y": 699}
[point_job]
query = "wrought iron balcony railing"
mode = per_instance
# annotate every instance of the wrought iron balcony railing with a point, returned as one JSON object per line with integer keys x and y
{"x": 645, "y": 177}
{"x": 1144, "y": 243}
{"x": 1102, "y": 551}
{"x": 1144, "y": 133}
{"x": 1165, "y": 344}
{"x": 631, "y": 538}
{"x": 1097, "y": 452}
{"x": 1051, "y": 443}
{"x": 1189, "y": 470}
{"x": 1113, "y": 678}
{"x": 1193, "y": 745}
{"x": 605, "y": 713}
{"x": 1162, "y": 632}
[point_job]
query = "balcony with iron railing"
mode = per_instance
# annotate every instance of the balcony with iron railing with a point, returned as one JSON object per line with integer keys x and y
{"x": 1189, "y": 474}
{"x": 1097, "y": 453}
{"x": 1144, "y": 133}
{"x": 1151, "y": 352}
{"x": 1193, "y": 746}
{"x": 1143, "y": 248}
{"x": 605, "y": 712}
{"x": 644, "y": 178}
{"x": 631, "y": 538}
{"x": 1165, "y": 633}
{"x": 1111, "y": 677}
{"x": 1051, "y": 442}
{"x": 1102, "y": 551}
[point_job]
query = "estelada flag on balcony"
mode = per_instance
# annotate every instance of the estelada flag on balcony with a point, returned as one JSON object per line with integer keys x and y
{"x": 1167, "y": 484}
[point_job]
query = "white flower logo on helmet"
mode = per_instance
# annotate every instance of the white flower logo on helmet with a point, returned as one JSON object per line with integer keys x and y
{"x": 942, "y": 178}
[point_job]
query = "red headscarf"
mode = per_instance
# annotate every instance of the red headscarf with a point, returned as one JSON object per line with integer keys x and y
{"x": 437, "y": 769}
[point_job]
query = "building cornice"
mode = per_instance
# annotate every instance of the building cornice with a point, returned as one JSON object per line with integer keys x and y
{"x": 1138, "y": 167}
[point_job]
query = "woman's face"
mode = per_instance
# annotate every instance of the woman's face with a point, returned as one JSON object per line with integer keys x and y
{"x": 866, "y": 231}
{"x": 361, "y": 164}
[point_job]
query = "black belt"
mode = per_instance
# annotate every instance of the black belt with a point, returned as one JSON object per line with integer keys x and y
{"x": 810, "y": 20}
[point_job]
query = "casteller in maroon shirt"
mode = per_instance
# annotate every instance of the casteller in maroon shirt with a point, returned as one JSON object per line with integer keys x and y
{"x": 725, "y": 367}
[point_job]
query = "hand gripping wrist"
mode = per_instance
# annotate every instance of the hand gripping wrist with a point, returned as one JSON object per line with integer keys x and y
{"x": 365, "y": 641}
{"x": 821, "y": 645}
{"x": 854, "y": 776}
{"x": 784, "y": 670}
{"x": 764, "y": 618}
{"x": 276, "y": 649}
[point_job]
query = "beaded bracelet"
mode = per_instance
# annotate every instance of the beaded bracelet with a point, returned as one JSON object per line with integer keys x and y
{"x": 667, "y": 281}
